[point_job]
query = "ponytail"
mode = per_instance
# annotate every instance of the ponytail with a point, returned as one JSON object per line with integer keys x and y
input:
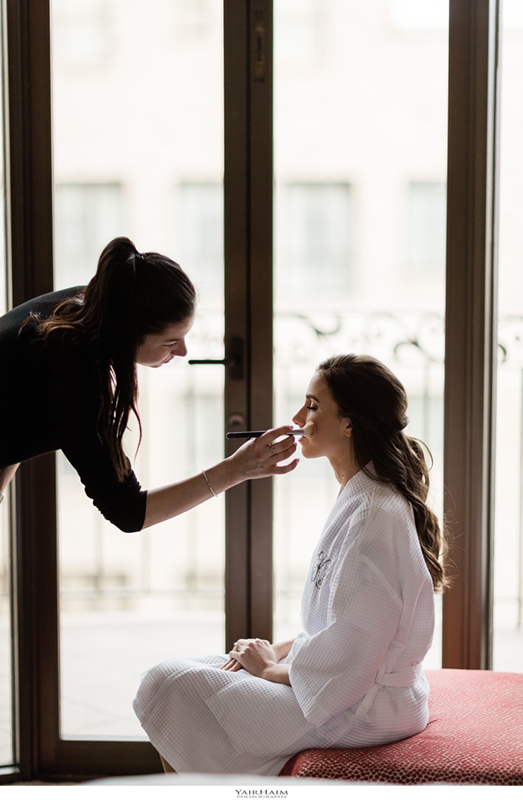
{"x": 132, "y": 295}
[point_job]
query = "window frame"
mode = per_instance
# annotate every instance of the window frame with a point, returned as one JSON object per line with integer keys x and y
{"x": 471, "y": 328}
{"x": 470, "y": 348}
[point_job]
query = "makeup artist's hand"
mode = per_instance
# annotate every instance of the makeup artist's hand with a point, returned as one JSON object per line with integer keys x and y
{"x": 260, "y": 457}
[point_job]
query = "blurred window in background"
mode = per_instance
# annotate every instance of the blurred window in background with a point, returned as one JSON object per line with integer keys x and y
{"x": 315, "y": 234}
{"x": 360, "y": 109}
{"x": 193, "y": 17}
{"x": 412, "y": 15}
{"x": 427, "y": 227}
{"x": 81, "y": 32}
{"x": 138, "y": 151}
{"x": 87, "y": 216}
{"x": 200, "y": 224}
{"x": 301, "y": 29}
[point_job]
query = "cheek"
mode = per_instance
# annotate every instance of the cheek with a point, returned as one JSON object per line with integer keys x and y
{"x": 157, "y": 355}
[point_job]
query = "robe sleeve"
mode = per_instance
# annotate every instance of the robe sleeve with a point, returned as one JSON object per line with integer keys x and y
{"x": 75, "y": 416}
{"x": 337, "y": 666}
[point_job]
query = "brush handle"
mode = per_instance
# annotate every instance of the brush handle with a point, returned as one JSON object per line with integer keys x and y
{"x": 244, "y": 434}
{"x": 252, "y": 434}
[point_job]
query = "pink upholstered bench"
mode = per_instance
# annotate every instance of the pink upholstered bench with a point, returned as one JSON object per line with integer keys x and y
{"x": 475, "y": 735}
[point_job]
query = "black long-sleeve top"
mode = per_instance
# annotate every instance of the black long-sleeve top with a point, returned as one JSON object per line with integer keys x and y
{"x": 49, "y": 400}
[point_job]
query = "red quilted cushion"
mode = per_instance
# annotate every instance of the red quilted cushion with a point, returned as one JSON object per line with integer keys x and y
{"x": 475, "y": 735}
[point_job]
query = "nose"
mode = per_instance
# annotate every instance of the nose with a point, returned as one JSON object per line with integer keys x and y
{"x": 180, "y": 348}
{"x": 299, "y": 417}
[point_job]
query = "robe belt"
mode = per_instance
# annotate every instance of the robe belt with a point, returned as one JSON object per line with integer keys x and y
{"x": 404, "y": 677}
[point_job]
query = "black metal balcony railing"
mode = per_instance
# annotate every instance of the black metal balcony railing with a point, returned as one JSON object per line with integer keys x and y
{"x": 411, "y": 342}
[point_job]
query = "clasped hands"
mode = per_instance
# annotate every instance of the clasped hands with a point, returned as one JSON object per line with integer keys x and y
{"x": 258, "y": 657}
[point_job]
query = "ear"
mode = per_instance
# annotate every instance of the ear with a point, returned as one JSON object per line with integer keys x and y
{"x": 348, "y": 427}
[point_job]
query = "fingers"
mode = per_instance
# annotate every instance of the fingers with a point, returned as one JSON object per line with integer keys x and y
{"x": 240, "y": 646}
{"x": 270, "y": 437}
{"x": 271, "y": 453}
{"x": 231, "y": 665}
{"x": 283, "y": 449}
{"x": 261, "y": 457}
{"x": 286, "y": 467}
{"x": 275, "y": 433}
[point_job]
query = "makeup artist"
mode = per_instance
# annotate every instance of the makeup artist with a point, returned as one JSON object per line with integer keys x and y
{"x": 68, "y": 382}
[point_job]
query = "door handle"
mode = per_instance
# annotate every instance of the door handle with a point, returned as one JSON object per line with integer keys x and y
{"x": 233, "y": 359}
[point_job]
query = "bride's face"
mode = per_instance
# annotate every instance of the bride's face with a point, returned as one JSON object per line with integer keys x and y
{"x": 332, "y": 431}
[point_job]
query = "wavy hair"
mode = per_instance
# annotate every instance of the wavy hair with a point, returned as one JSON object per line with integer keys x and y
{"x": 131, "y": 295}
{"x": 368, "y": 393}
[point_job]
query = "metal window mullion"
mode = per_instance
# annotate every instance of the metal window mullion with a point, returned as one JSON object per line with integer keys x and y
{"x": 30, "y": 253}
{"x": 470, "y": 328}
{"x": 248, "y": 301}
{"x": 261, "y": 305}
{"x": 236, "y": 258}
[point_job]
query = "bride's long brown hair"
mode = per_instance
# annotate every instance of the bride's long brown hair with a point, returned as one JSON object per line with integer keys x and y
{"x": 373, "y": 398}
{"x": 132, "y": 295}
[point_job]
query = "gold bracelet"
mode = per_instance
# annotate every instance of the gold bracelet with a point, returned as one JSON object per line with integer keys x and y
{"x": 207, "y": 481}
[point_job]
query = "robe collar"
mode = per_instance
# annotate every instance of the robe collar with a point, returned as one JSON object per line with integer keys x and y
{"x": 359, "y": 483}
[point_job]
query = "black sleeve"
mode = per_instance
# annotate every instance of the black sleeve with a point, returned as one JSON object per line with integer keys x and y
{"x": 75, "y": 423}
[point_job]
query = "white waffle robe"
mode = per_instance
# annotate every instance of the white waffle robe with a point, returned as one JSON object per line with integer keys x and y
{"x": 355, "y": 670}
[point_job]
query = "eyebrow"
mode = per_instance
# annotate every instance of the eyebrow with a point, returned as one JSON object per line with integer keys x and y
{"x": 311, "y": 397}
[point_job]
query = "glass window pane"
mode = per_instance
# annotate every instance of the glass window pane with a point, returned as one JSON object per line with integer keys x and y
{"x": 427, "y": 213}
{"x": 360, "y": 158}
{"x": 508, "y": 542}
{"x": 138, "y": 151}
{"x": 315, "y": 237}
{"x": 86, "y": 217}
{"x": 200, "y": 231}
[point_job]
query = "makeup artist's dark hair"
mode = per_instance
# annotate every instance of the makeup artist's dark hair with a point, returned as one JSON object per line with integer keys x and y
{"x": 374, "y": 400}
{"x": 132, "y": 295}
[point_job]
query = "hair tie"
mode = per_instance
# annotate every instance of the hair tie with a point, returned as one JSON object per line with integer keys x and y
{"x": 132, "y": 258}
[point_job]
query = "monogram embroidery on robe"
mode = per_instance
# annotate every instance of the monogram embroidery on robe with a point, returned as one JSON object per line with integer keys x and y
{"x": 322, "y": 567}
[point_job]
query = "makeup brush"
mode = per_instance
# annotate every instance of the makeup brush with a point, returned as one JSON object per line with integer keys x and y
{"x": 307, "y": 431}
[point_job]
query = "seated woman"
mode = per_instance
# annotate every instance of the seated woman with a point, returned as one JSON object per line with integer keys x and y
{"x": 354, "y": 676}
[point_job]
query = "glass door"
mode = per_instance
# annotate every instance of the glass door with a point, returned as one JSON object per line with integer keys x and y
{"x": 138, "y": 151}
{"x": 360, "y": 218}
{"x": 141, "y": 148}
{"x": 508, "y": 540}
